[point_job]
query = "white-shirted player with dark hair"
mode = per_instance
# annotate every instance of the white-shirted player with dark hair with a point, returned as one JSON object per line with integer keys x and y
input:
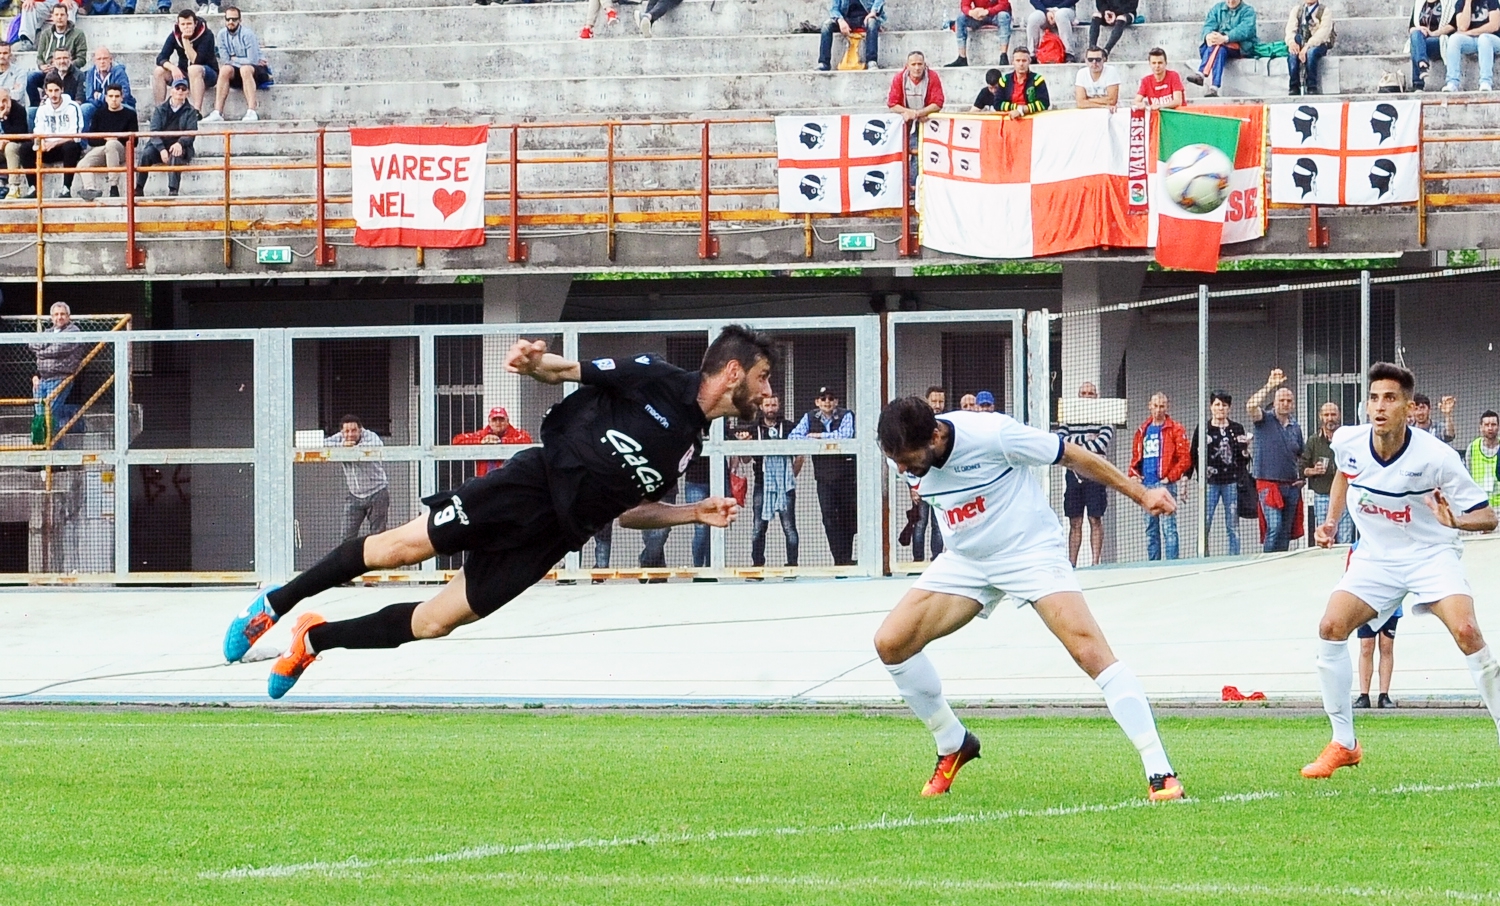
{"x": 1410, "y": 495}
{"x": 1001, "y": 538}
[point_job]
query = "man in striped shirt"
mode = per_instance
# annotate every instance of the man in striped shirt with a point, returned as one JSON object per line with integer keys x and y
{"x": 1082, "y": 495}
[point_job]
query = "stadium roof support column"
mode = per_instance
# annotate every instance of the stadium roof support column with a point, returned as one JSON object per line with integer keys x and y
{"x": 1094, "y": 344}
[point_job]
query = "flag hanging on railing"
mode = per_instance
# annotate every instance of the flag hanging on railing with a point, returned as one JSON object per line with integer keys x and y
{"x": 418, "y": 185}
{"x": 1184, "y": 239}
{"x": 839, "y": 164}
{"x": 1356, "y": 153}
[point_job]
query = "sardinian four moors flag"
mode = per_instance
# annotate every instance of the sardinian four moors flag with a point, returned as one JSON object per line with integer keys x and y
{"x": 839, "y": 164}
{"x": 1356, "y": 153}
{"x": 418, "y": 185}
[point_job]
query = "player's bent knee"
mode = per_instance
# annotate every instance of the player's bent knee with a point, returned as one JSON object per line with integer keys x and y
{"x": 1329, "y": 630}
{"x": 429, "y": 628}
{"x": 892, "y": 647}
{"x": 1468, "y": 637}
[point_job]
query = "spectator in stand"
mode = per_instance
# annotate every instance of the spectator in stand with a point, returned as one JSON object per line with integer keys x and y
{"x": 603, "y": 542}
{"x": 369, "y": 497}
{"x": 1421, "y": 411}
{"x": 835, "y": 475}
{"x": 984, "y": 401}
{"x": 1476, "y": 34}
{"x": 1059, "y": 14}
{"x": 244, "y": 66}
{"x": 55, "y": 363}
{"x": 58, "y": 123}
{"x": 968, "y": 403}
{"x": 1318, "y": 466}
{"x": 1228, "y": 457}
{"x": 19, "y": 156}
{"x": 1230, "y": 25}
{"x": 985, "y": 101}
{"x": 846, "y": 15}
{"x": 96, "y": 79}
{"x": 1309, "y": 35}
{"x": 775, "y": 482}
{"x": 1116, "y": 15}
{"x": 179, "y": 120}
{"x": 12, "y": 76}
{"x": 109, "y": 7}
{"x": 650, "y": 12}
{"x": 37, "y": 15}
{"x": 62, "y": 35}
{"x": 977, "y": 14}
{"x": 610, "y": 17}
{"x": 694, "y": 486}
{"x": 498, "y": 430}
{"x": 1431, "y": 21}
{"x": 61, "y": 66}
{"x": 1161, "y": 87}
{"x": 916, "y": 93}
{"x": 1021, "y": 92}
{"x": 920, "y": 516}
{"x": 1278, "y": 445}
{"x": 1083, "y": 496}
{"x": 1097, "y": 83}
{"x": 187, "y": 54}
{"x": 1483, "y": 458}
{"x": 108, "y": 152}
{"x": 1159, "y": 457}
{"x": 1386, "y": 635}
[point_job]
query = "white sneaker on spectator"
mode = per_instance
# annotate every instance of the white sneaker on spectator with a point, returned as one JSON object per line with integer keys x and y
{"x": 1450, "y": 86}
{"x": 643, "y": 22}
{"x": 871, "y": 64}
{"x": 1486, "y": 86}
{"x": 1210, "y": 91}
{"x": 214, "y": 117}
{"x": 250, "y": 117}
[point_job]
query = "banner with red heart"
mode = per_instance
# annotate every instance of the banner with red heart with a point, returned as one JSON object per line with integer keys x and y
{"x": 418, "y": 185}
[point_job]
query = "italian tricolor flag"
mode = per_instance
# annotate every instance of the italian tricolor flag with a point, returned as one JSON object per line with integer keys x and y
{"x": 1185, "y": 240}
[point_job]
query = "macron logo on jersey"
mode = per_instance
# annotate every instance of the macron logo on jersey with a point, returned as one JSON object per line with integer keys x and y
{"x": 604, "y": 364}
{"x": 963, "y": 511}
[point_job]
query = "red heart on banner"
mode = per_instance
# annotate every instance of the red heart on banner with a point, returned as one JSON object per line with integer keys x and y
{"x": 448, "y": 202}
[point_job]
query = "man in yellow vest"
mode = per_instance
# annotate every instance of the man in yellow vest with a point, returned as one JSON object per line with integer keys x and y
{"x": 1483, "y": 455}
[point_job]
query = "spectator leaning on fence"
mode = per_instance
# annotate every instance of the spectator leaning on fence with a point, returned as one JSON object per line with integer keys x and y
{"x": 19, "y": 156}
{"x": 1116, "y": 15}
{"x": 1228, "y": 449}
{"x": 1230, "y": 25}
{"x": 1159, "y": 457}
{"x": 179, "y": 121}
{"x": 1278, "y": 445}
{"x": 55, "y": 363}
{"x": 58, "y": 122}
{"x": 976, "y": 14}
{"x": 188, "y": 53}
{"x": 115, "y": 117}
{"x": 1421, "y": 412}
{"x": 1309, "y": 35}
{"x": 1477, "y": 34}
{"x": 916, "y": 93}
{"x": 846, "y": 15}
{"x": 1084, "y": 496}
{"x": 12, "y": 76}
{"x": 1161, "y": 87}
{"x": 921, "y": 516}
{"x": 1059, "y": 14}
{"x": 1430, "y": 21}
{"x": 1021, "y": 92}
{"x": 96, "y": 79}
{"x": 369, "y": 497}
{"x": 242, "y": 63}
{"x": 497, "y": 430}
{"x": 834, "y": 475}
{"x": 984, "y": 102}
{"x": 1097, "y": 83}
{"x": 1318, "y": 466}
{"x": 1483, "y": 456}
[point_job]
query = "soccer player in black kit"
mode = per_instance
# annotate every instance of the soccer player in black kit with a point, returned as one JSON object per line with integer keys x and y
{"x": 612, "y": 448}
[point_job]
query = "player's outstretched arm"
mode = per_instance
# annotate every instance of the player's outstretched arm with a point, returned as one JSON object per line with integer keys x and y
{"x": 716, "y": 511}
{"x": 1156, "y": 501}
{"x": 530, "y": 357}
{"x": 1338, "y": 496}
{"x": 1480, "y": 520}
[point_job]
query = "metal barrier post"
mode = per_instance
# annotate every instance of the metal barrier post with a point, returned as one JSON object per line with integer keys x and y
{"x": 516, "y": 252}
{"x": 228, "y": 243}
{"x": 609, "y": 192}
{"x": 121, "y": 475}
{"x": 323, "y": 253}
{"x": 1364, "y": 340}
{"x": 708, "y": 244}
{"x": 427, "y": 422}
{"x": 135, "y": 256}
{"x": 905, "y": 247}
{"x": 570, "y": 352}
{"x": 1203, "y": 408}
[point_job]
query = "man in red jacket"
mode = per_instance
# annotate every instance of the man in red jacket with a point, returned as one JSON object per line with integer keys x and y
{"x": 1159, "y": 457}
{"x": 498, "y": 431}
{"x": 916, "y": 93}
{"x": 976, "y": 14}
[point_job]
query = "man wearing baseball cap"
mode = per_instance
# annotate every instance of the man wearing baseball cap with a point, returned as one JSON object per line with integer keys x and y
{"x": 984, "y": 401}
{"x": 498, "y": 431}
{"x": 835, "y": 475}
{"x": 179, "y": 121}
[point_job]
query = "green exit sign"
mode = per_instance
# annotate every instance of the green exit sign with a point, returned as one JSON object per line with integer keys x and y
{"x": 856, "y": 242}
{"x": 273, "y": 254}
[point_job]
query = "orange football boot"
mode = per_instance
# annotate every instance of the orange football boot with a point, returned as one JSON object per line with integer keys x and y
{"x": 948, "y": 765}
{"x": 1333, "y": 757}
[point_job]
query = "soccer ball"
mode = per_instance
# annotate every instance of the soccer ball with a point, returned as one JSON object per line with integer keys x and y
{"x": 1197, "y": 178}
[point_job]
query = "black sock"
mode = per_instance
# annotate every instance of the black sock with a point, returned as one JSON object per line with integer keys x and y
{"x": 385, "y": 628}
{"x": 344, "y": 563}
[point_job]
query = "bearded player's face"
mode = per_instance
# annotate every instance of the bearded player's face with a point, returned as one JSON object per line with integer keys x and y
{"x": 753, "y": 388}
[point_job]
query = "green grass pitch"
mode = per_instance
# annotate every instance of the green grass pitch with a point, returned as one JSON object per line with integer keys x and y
{"x": 260, "y": 807}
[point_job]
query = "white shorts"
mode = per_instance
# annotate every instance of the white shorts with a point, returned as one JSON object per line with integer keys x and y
{"x": 1026, "y": 578}
{"x": 1384, "y": 584}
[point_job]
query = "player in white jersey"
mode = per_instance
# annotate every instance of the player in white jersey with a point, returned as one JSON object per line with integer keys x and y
{"x": 1410, "y": 496}
{"x": 1001, "y": 538}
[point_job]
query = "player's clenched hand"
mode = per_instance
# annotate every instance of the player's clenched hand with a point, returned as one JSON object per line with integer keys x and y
{"x": 1158, "y": 502}
{"x": 716, "y": 511}
{"x": 1440, "y": 508}
{"x": 1325, "y": 535}
{"x": 525, "y": 356}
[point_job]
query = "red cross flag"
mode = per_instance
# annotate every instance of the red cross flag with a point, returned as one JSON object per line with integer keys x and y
{"x": 1357, "y": 153}
{"x": 839, "y": 164}
{"x": 418, "y": 185}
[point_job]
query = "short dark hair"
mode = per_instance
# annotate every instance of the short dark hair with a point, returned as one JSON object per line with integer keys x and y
{"x": 186, "y": 13}
{"x": 738, "y": 343}
{"x": 1094, "y": 47}
{"x": 52, "y": 77}
{"x": 1156, "y": 52}
{"x": 350, "y": 420}
{"x": 992, "y": 77}
{"x": 1385, "y": 371}
{"x": 905, "y": 424}
{"x": 936, "y": 389}
{"x": 1418, "y": 399}
{"x": 231, "y": 9}
{"x": 109, "y": 88}
{"x": 1219, "y": 396}
{"x": 1016, "y": 50}
{"x": 1488, "y": 413}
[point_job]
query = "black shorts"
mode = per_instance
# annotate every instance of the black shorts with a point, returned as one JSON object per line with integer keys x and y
{"x": 507, "y": 525}
{"x": 1388, "y": 630}
{"x": 232, "y": 73}
{"x": 1084, "y": 495}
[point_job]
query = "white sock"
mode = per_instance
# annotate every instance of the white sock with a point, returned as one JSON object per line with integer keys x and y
{"x": 923, "y": 690}
{"x": 1127, "y": 703}
{"x": 1336, "y": 674}
{"x": 1486, "y": 672}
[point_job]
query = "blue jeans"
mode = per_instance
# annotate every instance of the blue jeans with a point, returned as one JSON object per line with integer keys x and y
{"x": 1160, "y": 528}
{"x": 788, "y": 519}
{"x": 1423, "y": 49}
{"x": 1483, "y": 48}
{"x": 1305, "y": 75}
{"x": 603, "y": 540}
{"x": 654, "y": 541}
{"x": 867, "y": 51}
{"x": 1279, "y": 522}
{"x": 694, "y": 492}
{"x": 1215, "y": 73}
{"x": 1229, "y": 496}
{"x": 61, "y": 411}
{"x": 967, "y": 24}
{"x": 919, "y": 539}
{"x": 1344, "y": 534}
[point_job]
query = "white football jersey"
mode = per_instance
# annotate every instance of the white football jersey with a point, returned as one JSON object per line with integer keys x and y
{"x": 1388, "y": 500}
{"x": 987, "y": 501}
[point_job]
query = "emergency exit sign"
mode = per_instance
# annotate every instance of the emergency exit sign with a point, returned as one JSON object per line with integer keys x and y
{"x": 856, "y": 242}
{"x": 273, "y": 254}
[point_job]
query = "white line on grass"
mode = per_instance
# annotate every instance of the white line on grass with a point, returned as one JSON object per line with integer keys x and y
{"x": 885, "y": 823}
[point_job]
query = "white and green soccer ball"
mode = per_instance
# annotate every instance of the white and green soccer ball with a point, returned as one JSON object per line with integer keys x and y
{"x": 1197, "y": 178}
